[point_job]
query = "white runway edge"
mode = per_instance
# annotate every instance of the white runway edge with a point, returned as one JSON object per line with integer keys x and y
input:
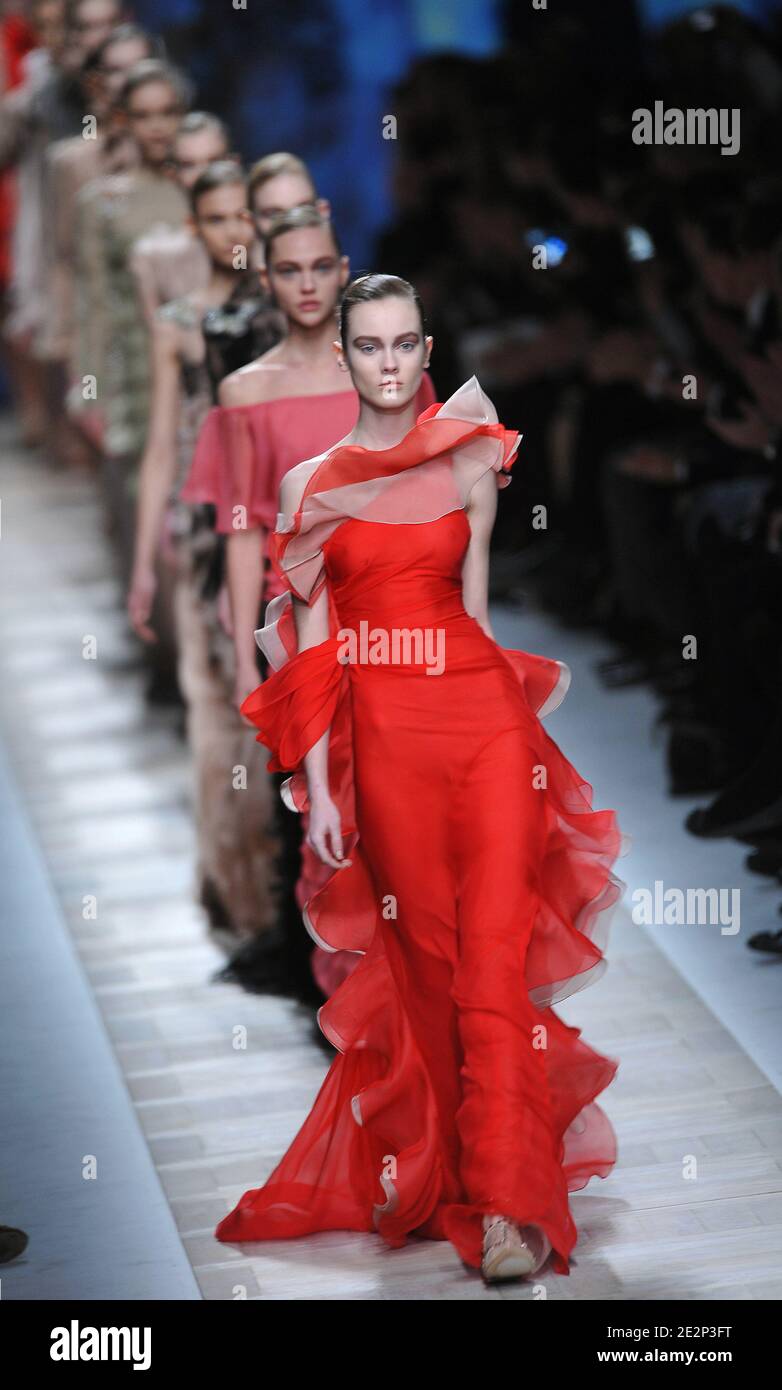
{"x": 62, "y": 1098}
{"x": 610, "y": 737}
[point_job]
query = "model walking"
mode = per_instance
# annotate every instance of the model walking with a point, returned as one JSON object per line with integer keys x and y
{"x": 477, "y": 878}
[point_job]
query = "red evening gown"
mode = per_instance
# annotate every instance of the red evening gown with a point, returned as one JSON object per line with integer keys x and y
{"x": 480, "y": 887}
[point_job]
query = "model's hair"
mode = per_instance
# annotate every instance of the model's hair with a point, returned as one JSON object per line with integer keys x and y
{"x": 304, "y": 216}
{"x": 72, "y": 8}
{"x": 193, "y": 122}
{"x": 124, "y": 33}
{"x": 366, "y": 289}
{"x": 273, "y": 164}
{"x": 155, "y": 70}
{"x": 221, "y": 173}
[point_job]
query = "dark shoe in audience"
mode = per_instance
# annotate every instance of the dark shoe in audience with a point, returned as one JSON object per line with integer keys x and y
{"x": 12, "y": 1243}
{"x": 766, "y": 860}
{"x": 622, "y": 671}
{"x": 674, "y": 679}
{"x": 770, "y": 941}
{"x": 683, "y": 705}
{"x": 696, "y": 758}
{"x": 717, "y": 820}
{"x": 638, "y": 667}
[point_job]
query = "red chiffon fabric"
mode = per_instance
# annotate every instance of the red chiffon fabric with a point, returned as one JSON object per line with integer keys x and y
{"x": 480, "y": 885}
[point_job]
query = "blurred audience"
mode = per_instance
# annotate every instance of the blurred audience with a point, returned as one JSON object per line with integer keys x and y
{"x": 621, "y": 302}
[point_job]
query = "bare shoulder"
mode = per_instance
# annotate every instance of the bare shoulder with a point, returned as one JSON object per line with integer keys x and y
{"x": 254, "y": 384}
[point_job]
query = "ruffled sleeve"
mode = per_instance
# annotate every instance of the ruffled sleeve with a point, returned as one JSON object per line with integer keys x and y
{"x": 202, "y": 483}
{"x": 308, "y": 693}
{"x": 233, "y": 468}
{"x": 295, "y": 707}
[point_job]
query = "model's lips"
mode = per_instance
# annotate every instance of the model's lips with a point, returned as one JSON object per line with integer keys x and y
{"x": 309, "y": 304}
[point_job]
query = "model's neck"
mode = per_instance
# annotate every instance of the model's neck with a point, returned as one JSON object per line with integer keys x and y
{"x": 382, "y": 429}
{"x": 308, "y": 347}
{"x": 223, "y": 281}
{"x": 156, "y": 170}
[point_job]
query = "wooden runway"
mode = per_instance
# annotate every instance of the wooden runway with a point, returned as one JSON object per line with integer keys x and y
{"x": 107, "y": 784}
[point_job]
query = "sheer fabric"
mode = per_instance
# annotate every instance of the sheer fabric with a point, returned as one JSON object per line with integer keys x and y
{"x": 481, "y": 887}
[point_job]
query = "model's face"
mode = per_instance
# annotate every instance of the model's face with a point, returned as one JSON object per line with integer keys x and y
{"x": 193, "y": 152}
{"x": 223, "y": 222}
{"x": 49, "y": 24}
{"x": 153, "y": 116}
{"x": 386, "y": 351}
{"x": 92, "y": 23}
{"x": 306, "y": 275}
{"x": 278, "y": 195}
{"x": 118, "y": 59}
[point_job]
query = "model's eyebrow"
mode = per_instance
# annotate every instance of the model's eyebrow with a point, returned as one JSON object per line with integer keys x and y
{"x": 367, "y": 337}
{"x": 297, "y": 265}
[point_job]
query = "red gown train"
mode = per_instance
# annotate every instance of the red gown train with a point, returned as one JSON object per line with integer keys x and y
{"x": 480, "y": 888}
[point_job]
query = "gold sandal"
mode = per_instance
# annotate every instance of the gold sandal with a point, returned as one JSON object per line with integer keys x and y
{"x": 511, "y": 1252}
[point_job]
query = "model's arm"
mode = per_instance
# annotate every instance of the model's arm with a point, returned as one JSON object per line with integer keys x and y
{"x": 244, "y": 562}
{"x": 157, "y": 475}
{"x": 481, "y": 511}
{"x": 312, "y": 628}
{"x": 244, "y": 565}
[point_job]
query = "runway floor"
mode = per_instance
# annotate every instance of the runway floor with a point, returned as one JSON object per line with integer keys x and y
{"x": 132, "y": 1124}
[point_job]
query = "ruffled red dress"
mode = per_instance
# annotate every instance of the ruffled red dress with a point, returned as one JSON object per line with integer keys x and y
{"x": 480, "y": 888}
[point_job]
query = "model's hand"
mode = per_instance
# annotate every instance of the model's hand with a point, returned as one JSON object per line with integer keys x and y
{"x": 141, "y": 596}
{"x": 325, "y": 832}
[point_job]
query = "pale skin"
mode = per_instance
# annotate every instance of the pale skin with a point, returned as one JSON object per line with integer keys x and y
{"x": 386, "y": 355}
{"x": 223, "y": 223}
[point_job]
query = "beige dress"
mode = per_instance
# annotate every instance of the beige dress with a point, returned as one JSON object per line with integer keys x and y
{"x": 236, "y": 839}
